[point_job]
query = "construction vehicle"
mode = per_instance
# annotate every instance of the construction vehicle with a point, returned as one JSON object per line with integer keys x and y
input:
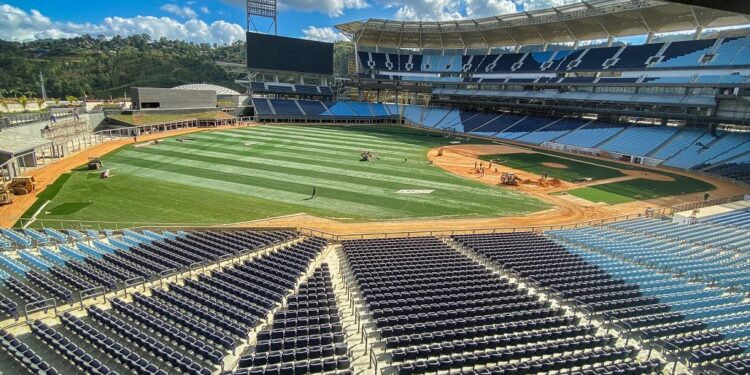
{"x": 95, "y": 163}
{"x": 369, "y": 156}
{"x": 509, "y": 179}
{"x": 22, "y": 185}
{"x": 5, "y": 195}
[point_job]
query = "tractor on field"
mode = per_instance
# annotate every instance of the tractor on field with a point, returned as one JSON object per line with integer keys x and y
{"x": 21, "y": 185}
{"x": 369, "y": 156}
{"x": 5, "y": 196}
{"x": 95, "y": 163}
{"x": 509, "y": 179}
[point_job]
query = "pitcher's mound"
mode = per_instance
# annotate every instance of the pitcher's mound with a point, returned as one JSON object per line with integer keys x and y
{"x": 555, "y": 165}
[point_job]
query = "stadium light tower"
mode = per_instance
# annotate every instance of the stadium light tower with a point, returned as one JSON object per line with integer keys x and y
{"x": 263, "y": 9}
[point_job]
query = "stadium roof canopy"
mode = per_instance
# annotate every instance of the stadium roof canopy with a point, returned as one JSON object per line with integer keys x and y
{"x": 588, "y": 20}
{"x": 220, "y": 90}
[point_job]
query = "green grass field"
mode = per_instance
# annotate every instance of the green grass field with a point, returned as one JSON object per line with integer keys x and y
{"x": 612, "y": 193}
{"x": 641, "y": 189}
{"x": 253, "y": 173}
{"x": 576, "y": 169}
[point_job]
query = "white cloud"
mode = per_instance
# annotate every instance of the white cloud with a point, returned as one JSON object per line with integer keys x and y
{"x": 488, "y": 8}
{"x": 333, "y": 8}
{"x": 544, "y": 4}
{"x": 322, "y": 34}
{"x": 205, "y": 10}
{"x": 19, "y": 25}
{"x": 184, "y": 12}
{"x": 443, "y": 10}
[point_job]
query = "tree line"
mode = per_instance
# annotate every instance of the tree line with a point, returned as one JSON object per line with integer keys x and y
{"x": 100, "y": 67}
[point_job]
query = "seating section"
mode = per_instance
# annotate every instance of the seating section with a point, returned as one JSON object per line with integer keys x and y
{"x": 437, "y": 310}
{"x": 263, "y": 107}
{"x": 185, "y": 326}
{"x": 685, "y": 53}
{"x": 552, "y": 131}
{"x": 312, "y": 107}
{"x": 639, "y": 140}
{"x": 527, "y": 125}
{"x": 591, "y": 135}
{"x": 306, "y": 337}
{"x": 710, "y": 149}
{"x": 732, "y": 52}
{"x": 290, "y": 89}
{"x": 636, "y": 56}
{"x": 69, "y": 273}
{"x": 738, "y": 170}
{"x": 736, "y": 218}
{"x": 680, "y": 141}
{"x": 286, "y": 107}
{"x": 26, "y": 357}
{"x": 633, "y": 284}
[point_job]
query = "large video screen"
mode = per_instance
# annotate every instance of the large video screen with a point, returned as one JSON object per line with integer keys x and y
{"x": 271, "y": 52}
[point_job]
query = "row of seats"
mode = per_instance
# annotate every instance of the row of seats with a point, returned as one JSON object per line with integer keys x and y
{"x": 439, "y": 310}
{"x": 24, "y": 355}
{"x": 70, "y": 350}
{"x": 292, "y": 343}
{"x": 678, "y": 54}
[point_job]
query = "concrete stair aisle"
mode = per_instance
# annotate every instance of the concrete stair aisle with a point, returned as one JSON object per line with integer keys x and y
{"x": 361, "y": 336}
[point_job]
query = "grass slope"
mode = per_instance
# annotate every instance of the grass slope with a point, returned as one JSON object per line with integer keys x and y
{"x": 534, "y": 163}
{"x": 253, "y": 173}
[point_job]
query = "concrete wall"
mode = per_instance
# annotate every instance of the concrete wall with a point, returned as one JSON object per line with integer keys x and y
{"x": 171, "y": 98}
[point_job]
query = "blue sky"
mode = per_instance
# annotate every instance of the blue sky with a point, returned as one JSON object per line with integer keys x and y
{"x": 223, "y": 21}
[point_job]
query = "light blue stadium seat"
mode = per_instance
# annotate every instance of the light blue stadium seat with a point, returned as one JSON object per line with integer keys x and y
{"x": 639, "y": 140}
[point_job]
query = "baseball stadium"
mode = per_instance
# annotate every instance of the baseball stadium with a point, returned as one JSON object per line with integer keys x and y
{"x": 519, "y": 194}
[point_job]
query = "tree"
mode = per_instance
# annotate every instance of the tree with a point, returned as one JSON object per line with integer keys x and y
{"x": 39, "y": 103}
{"x": 4, "y": 104}
{"x": 57, "y": 101}
{"x": 71, "y": 99}
{"x": 23, "y": 101}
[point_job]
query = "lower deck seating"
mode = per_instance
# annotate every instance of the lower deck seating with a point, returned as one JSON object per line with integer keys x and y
{"x": 438, "y": 310}
{"x": 305, "y": 337}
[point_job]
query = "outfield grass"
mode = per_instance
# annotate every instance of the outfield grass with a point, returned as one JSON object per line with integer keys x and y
{"x": 641, "y": 189}
{"x": 575, "y": 169}
{"x": 253, "y": 173}
{"x": 612, "y": 193}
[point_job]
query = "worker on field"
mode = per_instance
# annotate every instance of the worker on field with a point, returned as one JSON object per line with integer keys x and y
{"x": 314, "y": 193}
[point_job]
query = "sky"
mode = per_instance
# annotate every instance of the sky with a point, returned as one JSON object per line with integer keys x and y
{"x": 223, "y": 21}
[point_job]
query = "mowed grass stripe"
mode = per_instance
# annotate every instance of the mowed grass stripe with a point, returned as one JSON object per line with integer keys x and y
{"x": 352, "y": 135}
{"x": 290, "y": 186}
{"x": 394, "y": 167}
{"x": 217, "y": 178}
{"x": 372, "y": 187}
{"x": 312, "y": 178}
{"x": 288, "y": 200}
{"x": 327, "y": 150}
{"x": 389, "y": 136}
{"x": 309, "y": 169}
{"x": 342, "y": 144}
{"x": 334, "y": 135}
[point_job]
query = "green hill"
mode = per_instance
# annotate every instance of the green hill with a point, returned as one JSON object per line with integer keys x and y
{"x": 100, "y": 67}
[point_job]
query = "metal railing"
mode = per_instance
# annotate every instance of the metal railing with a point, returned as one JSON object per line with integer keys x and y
{"x": 708, "y": 203}
{"x": 454, "y": 232}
